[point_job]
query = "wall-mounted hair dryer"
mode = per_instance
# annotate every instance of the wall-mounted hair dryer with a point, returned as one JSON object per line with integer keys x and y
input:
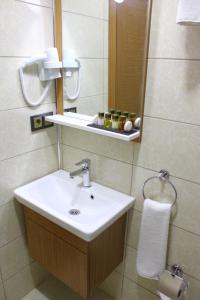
{"x": 48, "y": 68}
{"x": 71, "y": 64}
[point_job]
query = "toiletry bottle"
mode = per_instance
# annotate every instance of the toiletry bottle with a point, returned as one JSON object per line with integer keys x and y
{"x": 122, "y": 120}
{"x": 132, "y": 118}
{"x": 126, "y": 114}
{"x": 112, "y": 111}
{"x": 115, "y": 121}
{"x": 101, "y": 119}
{"x": 118, "y": 112}
{"x": 108, "y": 122}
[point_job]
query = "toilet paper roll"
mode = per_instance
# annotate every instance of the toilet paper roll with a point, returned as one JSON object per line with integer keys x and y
{"x": 171, "y": 286}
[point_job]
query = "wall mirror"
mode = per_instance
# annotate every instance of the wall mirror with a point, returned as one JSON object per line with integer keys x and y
{"x": 104, "y": 47}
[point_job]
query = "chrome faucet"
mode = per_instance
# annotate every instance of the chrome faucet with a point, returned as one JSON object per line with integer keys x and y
{"x": 84, "y": 170}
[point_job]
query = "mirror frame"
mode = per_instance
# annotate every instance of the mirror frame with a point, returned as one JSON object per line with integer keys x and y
{"x": 112, "y": 56}
{"x": 58, "y": 44}
{"x": 112, "y": 70}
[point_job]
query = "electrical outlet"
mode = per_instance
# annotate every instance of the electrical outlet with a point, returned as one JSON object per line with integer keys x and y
{"x": 38, "y": 122}
{"x": 71, "y": 109}
{"x": 47, "y": 124}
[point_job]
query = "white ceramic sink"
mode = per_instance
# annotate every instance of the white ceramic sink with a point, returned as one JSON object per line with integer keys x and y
{"x": 55, "y": 195}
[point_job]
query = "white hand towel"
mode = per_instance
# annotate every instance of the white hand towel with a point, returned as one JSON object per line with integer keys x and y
{"x": 152, "y": 247}
{"x": 188, "y": 12}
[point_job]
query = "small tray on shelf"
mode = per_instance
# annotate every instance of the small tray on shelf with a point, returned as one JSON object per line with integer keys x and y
{"x": 127, "y": 133}
{"x": 83, "y": 122}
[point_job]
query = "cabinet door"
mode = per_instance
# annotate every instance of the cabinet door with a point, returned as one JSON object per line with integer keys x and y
{"x": 58, "y": 257}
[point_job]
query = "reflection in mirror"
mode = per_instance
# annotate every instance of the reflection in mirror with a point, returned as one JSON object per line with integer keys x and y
{"x": 85, "y": 55}
{"x": 96, "y": 78}
{"x": 129, "y": 33}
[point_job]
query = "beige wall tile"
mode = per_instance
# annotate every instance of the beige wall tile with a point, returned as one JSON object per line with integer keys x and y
{"x": 113, "y": 285}
{"x": 194, "y": 289}
{"x": 131, "y": 272}
{"x": 182, "y": 246}
{"x": 47, "y": 3}
{"x": 132, "y": 291}
{"x": 106, "y": 9}
{"x": 134, "y": 220}
{"x": 2, "y": 295}
{"x": 13, "y": 257}
{"x": 170, "y": 145}
{"x": 168, "y": 39}
{"x": 11, "y": 222}
{"x": 93, "y": 8}
{"x": 24, "y": 281}
{"x": 11, "y": 98}
{"x": 28, "y": 32}
{"x": 106, "y": 146}
{"x": 187, "y": 201}
{"x": 87, "y": 105}
{"x": 54, "y": 289}
{"x": 16, "y": 135}
{"x": 105, "y": 171}
{"x": 22, "y": 169}
{"x": 83, "y": 34}
{"x": 105, "y": 90}
{"x": 173, "y": 90}
{"x": 105, "y": 52}
{"x": 105, "y": 107}
{"x": 91, "y": 72}
{"x": 32, "y": 39}
{"x": 184, "y": 250}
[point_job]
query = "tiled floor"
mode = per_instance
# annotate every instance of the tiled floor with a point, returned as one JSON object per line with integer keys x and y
{"x": 52, "y": 289}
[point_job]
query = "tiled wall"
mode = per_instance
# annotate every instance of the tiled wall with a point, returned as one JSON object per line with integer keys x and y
{"x": 85, "y": 29}
{"x": 171, "y": 140}
{"x": 26, "y": 29}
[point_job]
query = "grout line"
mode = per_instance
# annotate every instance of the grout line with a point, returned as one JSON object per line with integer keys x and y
{"x": 20, "y": 270}
{"x": 167, "y": 265}
{"x": 84, "y": 98}
{"x": 28, "y": 106}
{"x": 84, "y": 15}
{"x": 173, "y": 58}
{"x": 170, "y": 120}
{"x": 13, "y": 56}
{"x": 35, "y": 4}
{"x": 93, "y": 58}
{"x": 13, "y": 240}
{"x": 2, "y": 282}
{"x": 171, "y": 175}
{"x": 28, "y": 56}
{"x": 129, "y": 163}
{"x": 144, "y": 288}
{"x": 27, "y": 152}
{"x": 173, "y": 225}
{"x": 185, "y": 230}
{"x": 97, "y": 154}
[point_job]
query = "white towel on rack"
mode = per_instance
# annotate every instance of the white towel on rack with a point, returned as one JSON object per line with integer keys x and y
{"x": 152, "y": 247}
{"x": 188, "y": 12}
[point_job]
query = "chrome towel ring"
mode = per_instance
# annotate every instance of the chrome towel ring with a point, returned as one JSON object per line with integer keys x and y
{"x": 164, "y": 175}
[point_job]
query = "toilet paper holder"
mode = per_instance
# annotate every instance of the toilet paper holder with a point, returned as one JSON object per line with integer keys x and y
{"x": 176, "y": 270}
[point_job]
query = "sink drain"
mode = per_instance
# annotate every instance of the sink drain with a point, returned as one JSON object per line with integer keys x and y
{"x": 74, "y": 212}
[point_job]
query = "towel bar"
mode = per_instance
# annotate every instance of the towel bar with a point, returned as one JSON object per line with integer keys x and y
{"x": 163, "y": 175}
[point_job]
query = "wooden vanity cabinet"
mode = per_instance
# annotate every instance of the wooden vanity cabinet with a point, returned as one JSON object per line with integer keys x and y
{"x": 81, "y": 265}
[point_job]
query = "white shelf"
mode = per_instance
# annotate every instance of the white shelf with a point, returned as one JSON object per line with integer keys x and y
{"x": 79, "y": 121}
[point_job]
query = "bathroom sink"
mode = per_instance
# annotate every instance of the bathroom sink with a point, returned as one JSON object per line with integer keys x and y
{"x": 85, "y": 212}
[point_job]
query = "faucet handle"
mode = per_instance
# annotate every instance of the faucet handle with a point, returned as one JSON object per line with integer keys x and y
{"x": 85, "y": 162}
